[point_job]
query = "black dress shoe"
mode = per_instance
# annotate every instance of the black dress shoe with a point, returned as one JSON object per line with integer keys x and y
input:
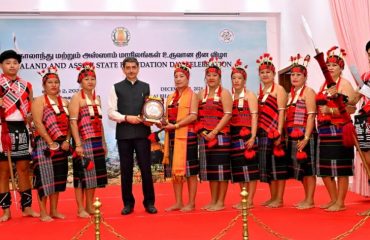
{"x": 151, "y": 209}
{"x": 127, "y": 210}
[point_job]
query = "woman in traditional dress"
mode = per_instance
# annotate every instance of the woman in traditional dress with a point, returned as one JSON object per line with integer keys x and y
{"x": 271, "y": 108}
{"x": 52, "y": 139}
{"x": 15, "y": 107}
{"x": 215, "y": 106}
{"x": 89, "y": 167}
{"x": 181, "y": 146}
{"x": 364, "y": 113}
{"x": 244, "y": 161}
{"x": 301, "y": 131}
{"x": 335, "y": 153}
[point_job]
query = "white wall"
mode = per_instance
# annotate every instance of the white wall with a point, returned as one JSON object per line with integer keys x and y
{"x": 292, "y": 36}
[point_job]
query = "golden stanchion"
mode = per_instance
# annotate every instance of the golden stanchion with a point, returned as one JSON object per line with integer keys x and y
{"x": 244, "y": 195}
{"x": 97, "y": 204}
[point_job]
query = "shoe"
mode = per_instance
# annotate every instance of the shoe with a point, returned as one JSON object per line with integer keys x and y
{"x": 127, "y": 210}
{"x": 151, "y": 209}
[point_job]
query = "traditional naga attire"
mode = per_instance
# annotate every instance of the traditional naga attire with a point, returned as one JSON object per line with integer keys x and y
{"x": 336, "y": 131}
{"x": 181, "y": 145}
{"x": 86, "y": 174}
{"x": 243, "y": 169}
{"x": 296, "y": 121}
{"x": 362, "y": 120}
{"x": 14, "y": 132}
{"x": 214, "y": 156}
{"x": 271, "y": 167}
{"x": 51, "y": 166}
{"x": 362, "y": 125}
{"x": 335, "y": 159}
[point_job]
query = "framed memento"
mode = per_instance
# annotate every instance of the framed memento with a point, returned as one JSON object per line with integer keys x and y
{"x": 153, "y": 110}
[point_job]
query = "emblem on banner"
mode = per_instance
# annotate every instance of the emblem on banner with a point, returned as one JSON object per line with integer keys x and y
{"x": 120, "y": 36}
{"x": 226, "y": 36}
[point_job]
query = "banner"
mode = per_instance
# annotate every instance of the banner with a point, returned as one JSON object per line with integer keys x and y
{"x": 158, "y": 45}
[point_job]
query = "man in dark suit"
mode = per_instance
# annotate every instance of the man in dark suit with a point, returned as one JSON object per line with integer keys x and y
{"x": 126, "y": 101}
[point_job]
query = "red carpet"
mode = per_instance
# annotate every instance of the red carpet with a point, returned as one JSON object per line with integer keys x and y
{"x": 287, "y": 221}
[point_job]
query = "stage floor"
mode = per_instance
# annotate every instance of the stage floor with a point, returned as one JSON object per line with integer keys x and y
{"x": 199, "y": 224}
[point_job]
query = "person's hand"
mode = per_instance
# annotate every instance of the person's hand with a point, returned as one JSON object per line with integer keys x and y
{"x": 159, "y": 125}
{"x": 80, "y": 151}
{"x": 169, "y": 127}
{"x": 250, "y": 142}
{"x": 277, "y": 141}
{"x": 302, "y": 144}
{"x": 105, "y": 149}
{"x": 332, "y": 91}
{"x": 209, "y": 136}
{"x": 149, "y": 124}
{"x": 65, "y": 146}
{"x": 324, "y": 109}
{"x": 1, "y": 102}
{"x": 134, "y": 119}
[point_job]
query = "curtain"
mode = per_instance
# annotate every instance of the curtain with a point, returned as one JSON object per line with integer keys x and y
{"x": 352, "y": 25}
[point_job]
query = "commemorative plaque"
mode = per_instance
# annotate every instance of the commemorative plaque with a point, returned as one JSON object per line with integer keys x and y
{"x": 153, "y": 110}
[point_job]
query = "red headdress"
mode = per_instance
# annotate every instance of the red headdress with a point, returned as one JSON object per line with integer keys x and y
{"x": 334, "y": 57}
{"x": 298, "y": 65}
{"x": 50, "y": 72}
{"x": 239, "y": 68}
{"x": 87, "y": 69}
{"x": 265, "y": 62}
{"x": 213, "y": 65}
{"x": 183, "y": 67}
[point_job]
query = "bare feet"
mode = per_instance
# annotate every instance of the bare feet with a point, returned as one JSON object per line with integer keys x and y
{"x": 239, "y": 206}
{"x": 83, "y": 214}
{"x": 57, "y": 215}
{"x": 188, "y": 208}
{"x": 6, "y": 215}
{"x": 250, "y": 205}
{"x": 267, "y": 202}
{"x": 90, "y": 211}
{"x": 28, "y": 212}
{"x": 336, "y": 208}
{"x": 275, "y": 204}
{"x": 305, "y": 205}
{"x": 174, "y": 208}
{"x": 365, "y": 213}
{"x": 216, "y": 207}
{"x": 298, "y": 203}
{"x": 46, "y": 218}
{"x": 327, "y": 205}
{"x": 206, "y": 207}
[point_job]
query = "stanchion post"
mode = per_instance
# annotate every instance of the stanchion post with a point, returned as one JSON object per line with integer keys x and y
{"x": 244, "y": 195}
{"x": 97, "y": 204}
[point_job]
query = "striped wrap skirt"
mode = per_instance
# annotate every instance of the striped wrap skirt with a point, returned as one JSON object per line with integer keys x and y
{"x": 302, "y": 168}
{"x": 242, "y": 169}
{"x": 333, "y": 158}
{"x": 271, "y": 168}
{"x": 95, "y": 177}
{"x": 50, "y": 173}
{"x": 215, "y": 161}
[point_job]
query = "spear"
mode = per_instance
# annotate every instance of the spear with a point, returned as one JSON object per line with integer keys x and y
{"x": 6, "y": 145}
{"x": 348, "y": 128}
